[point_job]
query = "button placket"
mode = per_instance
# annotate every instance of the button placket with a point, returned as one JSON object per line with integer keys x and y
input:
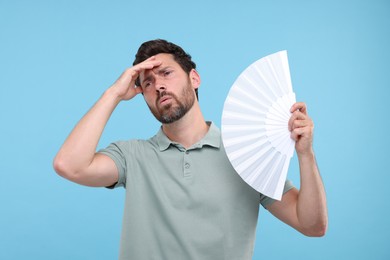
{"x": 186, "y": 164}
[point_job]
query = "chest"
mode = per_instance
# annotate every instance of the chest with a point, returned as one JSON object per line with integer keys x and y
{"x": 185, "y": 179}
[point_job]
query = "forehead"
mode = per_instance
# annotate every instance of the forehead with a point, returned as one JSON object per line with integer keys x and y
{"x": 167, "y": 60}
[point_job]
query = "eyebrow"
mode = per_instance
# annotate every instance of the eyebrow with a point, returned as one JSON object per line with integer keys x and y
{"x": 159, "y": 70}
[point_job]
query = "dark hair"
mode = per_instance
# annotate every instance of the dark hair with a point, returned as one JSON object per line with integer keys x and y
{"x": 154, "y": 47}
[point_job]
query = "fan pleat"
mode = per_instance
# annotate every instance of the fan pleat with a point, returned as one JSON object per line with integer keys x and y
{"x": 235, "y": 115}
{"x": 238, "y": 139}
{"x": 244, "y": 154}
{"x": 240, "y": 91}
{"x": 249, "y": 167}
{"x": 274, "y": 175}
{"x": 269, "y": 172}
{"x": 233, "y": 102}
{"x": 276, "y": 117}
{"x": 235, "y": 128}
{"x": 276, "y": 87}
{"x": 268, "y": 92}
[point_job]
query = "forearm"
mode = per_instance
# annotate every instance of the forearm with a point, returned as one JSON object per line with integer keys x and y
{"x": 77, "y": 159}
{"x": 79, "y": 148}
{"x": 311, "y": 203}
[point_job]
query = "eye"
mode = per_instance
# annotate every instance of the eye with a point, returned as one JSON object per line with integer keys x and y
{"x": 147, "y": 84}
{"x": 167, "y": 73}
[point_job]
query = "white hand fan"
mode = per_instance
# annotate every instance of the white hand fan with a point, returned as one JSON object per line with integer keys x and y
{"x": 255, "y": 124}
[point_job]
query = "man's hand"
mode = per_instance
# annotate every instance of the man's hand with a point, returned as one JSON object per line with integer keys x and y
{"x": 124, "y": 87}
{"x": 304, "y": 209}
{"x": 301, "y": 127}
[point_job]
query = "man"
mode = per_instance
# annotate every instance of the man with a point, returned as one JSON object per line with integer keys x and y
{"x": 183, "y": 198}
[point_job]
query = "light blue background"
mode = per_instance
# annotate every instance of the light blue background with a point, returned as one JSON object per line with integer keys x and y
{"x": 57, "y": 58}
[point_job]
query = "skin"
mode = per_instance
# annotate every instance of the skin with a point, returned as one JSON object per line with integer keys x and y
{"x": 167, "y": 106}
{"x": 166, "y": 89}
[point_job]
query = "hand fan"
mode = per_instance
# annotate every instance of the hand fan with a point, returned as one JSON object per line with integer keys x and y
{"x": 255, "y": 124}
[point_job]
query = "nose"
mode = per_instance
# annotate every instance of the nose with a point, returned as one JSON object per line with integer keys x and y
{"x": 159, "y": 84}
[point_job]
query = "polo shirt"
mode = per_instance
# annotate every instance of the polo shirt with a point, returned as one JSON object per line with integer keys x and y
{"x": 184, "y": 203}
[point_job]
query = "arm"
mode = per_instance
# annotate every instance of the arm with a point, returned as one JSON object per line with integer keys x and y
{"x": 305, "y": 210}
{"x": 77, "y": 159}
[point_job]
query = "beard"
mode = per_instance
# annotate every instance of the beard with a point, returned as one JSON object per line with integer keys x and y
{"x": 176, "y": 109}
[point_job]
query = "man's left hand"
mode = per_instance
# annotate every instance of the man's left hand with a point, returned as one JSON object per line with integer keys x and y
{"x": 301, "y": 127}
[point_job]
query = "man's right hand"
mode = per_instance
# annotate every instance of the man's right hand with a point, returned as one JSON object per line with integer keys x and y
{"x": 124, "y": 87}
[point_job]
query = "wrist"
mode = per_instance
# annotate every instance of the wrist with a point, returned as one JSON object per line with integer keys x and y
{"x": 307, "y": 155}
{"x": 112, "y": 94}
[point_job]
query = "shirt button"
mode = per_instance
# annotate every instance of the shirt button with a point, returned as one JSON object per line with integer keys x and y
{"x": 187, "y": 152}
{"x": 187, "y": 166}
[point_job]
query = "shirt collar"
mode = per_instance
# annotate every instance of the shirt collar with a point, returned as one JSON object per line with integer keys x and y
{"x": 212, "y": 138}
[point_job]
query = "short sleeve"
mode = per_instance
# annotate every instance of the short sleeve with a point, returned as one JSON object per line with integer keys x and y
{"x": 267, "y": 201}
{"x": 116, "y": 151}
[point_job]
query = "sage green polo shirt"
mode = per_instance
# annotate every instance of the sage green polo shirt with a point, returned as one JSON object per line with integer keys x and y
{"x": 184, "y": 203}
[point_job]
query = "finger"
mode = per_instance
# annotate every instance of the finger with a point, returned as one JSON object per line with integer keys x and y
{"x": 128, "y": 76}
{"x": 131, "y": 74}
{"x": 299, "y": 124}
{"x": 144, "y": 66}
{"x": 149, "y": 63}
{"x": 305, "y": 131}
{"x": 295, "y": 134}
{"x": 297, "y": 115}
{"x": 299, "y": 106}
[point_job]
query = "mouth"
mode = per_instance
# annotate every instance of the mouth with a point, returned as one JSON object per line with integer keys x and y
{"x": 164, "y": 99}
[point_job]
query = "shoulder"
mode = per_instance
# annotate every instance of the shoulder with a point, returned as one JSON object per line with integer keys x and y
{"x": 128, "y": 146}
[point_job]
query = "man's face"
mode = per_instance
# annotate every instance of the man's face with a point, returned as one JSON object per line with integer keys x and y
{"x": 168, "y": 90}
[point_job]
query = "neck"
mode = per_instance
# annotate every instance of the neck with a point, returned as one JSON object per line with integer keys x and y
{"x": 189, "y": 129}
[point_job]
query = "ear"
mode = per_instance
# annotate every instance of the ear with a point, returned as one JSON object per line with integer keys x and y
{"x": 195, "y": 78}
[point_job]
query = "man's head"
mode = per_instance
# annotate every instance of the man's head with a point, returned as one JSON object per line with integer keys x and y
{"x": 154, "y": 47}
